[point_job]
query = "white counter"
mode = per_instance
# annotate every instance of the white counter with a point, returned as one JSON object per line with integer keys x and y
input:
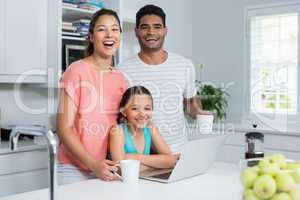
{"x": 220, "y": 182}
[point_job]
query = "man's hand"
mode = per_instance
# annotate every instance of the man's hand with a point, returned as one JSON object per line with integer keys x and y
{"x": 193, "y": 108}
{"x": 204, "y": 112}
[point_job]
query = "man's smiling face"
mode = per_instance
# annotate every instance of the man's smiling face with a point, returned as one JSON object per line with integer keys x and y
{"x": 151, "y": 33}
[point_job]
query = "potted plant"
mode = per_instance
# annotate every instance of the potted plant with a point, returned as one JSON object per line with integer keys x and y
{"x": 213, "y": 99}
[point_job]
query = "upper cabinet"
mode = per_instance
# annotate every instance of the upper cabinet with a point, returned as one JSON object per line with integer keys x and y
{"x": 31, "y": 40}
{"x": 2, "y": 13}
{"x": 25, "y": 40}
{"x": 129, "y": 45}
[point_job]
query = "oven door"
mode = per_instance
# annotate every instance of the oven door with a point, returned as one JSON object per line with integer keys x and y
{"x": 73, "y": 53}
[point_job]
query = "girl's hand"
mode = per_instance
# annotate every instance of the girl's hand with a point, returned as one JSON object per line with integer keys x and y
{"x": 105, "y": 169}
{"x": 174, "y": 158}
{"x": 144, "y": 168}
{"x": 177, "y": 156}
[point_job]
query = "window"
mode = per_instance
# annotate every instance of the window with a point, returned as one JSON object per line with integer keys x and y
{"x": 273, "y": 57}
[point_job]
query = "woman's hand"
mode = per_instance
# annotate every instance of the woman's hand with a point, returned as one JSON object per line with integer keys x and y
{"x": 104, "y": 169}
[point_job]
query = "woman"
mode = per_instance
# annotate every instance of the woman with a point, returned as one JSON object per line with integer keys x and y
{"x": 88, "y": 107}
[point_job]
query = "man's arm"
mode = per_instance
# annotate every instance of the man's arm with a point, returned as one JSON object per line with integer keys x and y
{"x": 193, "y": 107}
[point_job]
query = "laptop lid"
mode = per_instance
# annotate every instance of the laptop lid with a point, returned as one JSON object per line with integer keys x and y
{"x": 196, "y": 158}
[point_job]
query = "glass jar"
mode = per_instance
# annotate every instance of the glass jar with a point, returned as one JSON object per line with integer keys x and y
{"x": 254, "y": 146}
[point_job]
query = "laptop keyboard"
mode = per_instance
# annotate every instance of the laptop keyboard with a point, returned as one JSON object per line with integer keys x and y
{"x": 164, "y": 176}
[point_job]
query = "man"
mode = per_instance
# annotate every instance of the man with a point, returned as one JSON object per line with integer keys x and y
{"x": 169, "y": 77}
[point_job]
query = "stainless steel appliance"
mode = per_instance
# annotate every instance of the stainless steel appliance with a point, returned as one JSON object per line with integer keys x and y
{"x": 73, "y": 52}
{"x": 254, "y": 144}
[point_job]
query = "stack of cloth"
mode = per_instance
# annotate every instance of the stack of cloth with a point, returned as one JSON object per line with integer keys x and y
{"x": 69, "y": 30}
{"x": 93, "y": 5}
{"x": 79, "y": 28}
{"x": 71, "y": 3}
{"x": 82, "y": 26}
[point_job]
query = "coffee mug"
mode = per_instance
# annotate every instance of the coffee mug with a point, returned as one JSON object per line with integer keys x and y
{"x": 130, "y": 170}
{"x": 205, "y": 123}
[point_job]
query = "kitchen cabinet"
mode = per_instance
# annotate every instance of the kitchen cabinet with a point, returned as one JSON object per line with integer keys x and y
{"x": 23, "y": 171}
{"x": 2, "y": 13}
{"x": 129, "y": 45}
{"x": 31, "y": 38}
{"x": 26, "y": 38}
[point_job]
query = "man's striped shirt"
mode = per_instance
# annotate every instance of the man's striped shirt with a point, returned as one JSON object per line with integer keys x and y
{"x": 168, "y": 83}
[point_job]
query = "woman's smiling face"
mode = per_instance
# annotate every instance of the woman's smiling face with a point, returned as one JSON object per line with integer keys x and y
{"x": 106, "y": 35}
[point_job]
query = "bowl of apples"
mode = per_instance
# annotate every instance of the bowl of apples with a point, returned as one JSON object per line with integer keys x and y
{"x": 272, "y": 178}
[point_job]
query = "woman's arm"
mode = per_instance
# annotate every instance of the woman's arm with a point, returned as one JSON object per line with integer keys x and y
{"x": 65, "y": 121}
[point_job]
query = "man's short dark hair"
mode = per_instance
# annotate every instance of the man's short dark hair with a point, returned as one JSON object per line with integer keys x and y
{"x": 150, "y": 10}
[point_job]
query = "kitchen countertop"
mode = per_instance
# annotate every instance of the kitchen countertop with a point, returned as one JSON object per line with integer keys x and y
{"x": 220, "y": 182}
{"x": 246, "y": 127}
{"x": 242, "y": 126}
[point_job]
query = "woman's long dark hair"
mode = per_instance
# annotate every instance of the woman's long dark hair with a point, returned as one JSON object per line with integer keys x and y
{"x": 130, "y": 92}
{"x": 90, "y": 46}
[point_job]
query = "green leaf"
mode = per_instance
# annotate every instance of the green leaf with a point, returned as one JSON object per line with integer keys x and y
{"x": 213, "y": 99}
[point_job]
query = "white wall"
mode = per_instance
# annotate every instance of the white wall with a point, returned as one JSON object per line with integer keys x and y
{"x": 178, "y": 19}
{"x": 218, "y": 44}
{"x": 20, "y": 106}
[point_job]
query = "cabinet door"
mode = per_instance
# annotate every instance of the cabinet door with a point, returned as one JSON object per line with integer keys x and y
{"x": 2, "y": 14}
{"x": 23, "y": 171}
{"x": 12, "y": 184}
{"x": 25, "y": 36}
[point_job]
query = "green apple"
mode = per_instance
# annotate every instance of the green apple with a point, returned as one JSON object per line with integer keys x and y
{"x": 295, "y": 171}
{"x": 292, "y": 165}
{"x": 285, "y": 182}
{"x": 268, "y": 166}
{"x": 249, "y": 195}
{"x": 281, "y": 196}
{"x": 264, "y": 186}
{"x": 248, "y": 176}
{"x": 255, "y": 168}
{"x": 295, "y": 194}
{"x": 280, "y": 159}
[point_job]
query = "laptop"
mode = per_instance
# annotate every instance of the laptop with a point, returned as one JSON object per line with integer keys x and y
{"x": 196, "y": 158}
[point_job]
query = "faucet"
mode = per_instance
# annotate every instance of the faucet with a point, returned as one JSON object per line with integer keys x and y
{"x": 39, "y": 130}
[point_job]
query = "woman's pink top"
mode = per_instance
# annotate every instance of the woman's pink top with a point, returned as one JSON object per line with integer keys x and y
{"x": 96, "y": 96}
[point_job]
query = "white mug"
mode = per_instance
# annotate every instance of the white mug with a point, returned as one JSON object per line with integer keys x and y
{"x": 205, "y": 123}
{"x": 130, "y": 170}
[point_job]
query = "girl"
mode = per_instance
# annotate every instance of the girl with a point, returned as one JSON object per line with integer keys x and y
{"x": 135, "y": 136}
{"x": 88, "y": 105}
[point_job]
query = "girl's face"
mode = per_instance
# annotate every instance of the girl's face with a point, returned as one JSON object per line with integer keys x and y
{"x": 106, "y": 36}
{"x": 138, "y": 110}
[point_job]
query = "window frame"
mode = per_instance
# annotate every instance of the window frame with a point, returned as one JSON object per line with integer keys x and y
{"x": 282, "y": 122}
